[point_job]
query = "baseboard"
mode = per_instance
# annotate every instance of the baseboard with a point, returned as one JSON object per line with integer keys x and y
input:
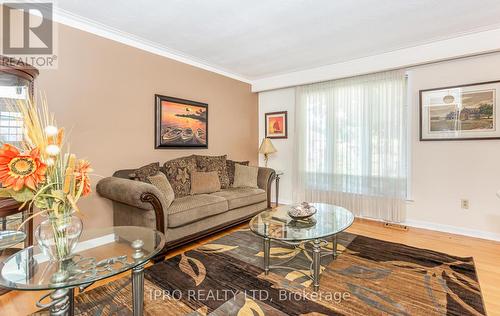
{"x": 435, "y": 226}
{"x": 453, "y": 230}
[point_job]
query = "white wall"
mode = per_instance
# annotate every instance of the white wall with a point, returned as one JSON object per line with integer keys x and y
{"x": 275, "y": 101}
{"x": 445, "y": 172}
{"x": 442, "y": 173}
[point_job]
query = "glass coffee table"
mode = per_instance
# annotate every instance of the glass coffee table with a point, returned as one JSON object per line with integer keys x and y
{"x": 275, "y": 224}
{"x": 100, "y": 254}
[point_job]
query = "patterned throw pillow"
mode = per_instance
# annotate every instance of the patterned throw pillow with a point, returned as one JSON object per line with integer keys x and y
{"x": 144, "y": 172}
{"x": 214, "y": 163}
{"x": 178, "y": 172}
{"x": 160, "y": 181}
{"x": 230, "y": 169}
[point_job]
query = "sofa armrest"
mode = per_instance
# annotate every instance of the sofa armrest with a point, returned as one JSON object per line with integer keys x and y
{"x": 264, "y": 180}
{"x": 137, "y": 194}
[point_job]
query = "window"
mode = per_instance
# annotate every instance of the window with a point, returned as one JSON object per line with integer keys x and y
{"x": 16, "y": 83}
{"x": 352, "y": 142}
{"x": 11, "y": 90}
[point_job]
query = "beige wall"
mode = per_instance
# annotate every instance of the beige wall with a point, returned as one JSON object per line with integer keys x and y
{"x": 103, "y": 91}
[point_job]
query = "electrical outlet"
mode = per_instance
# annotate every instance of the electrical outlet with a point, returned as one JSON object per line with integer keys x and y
{"x": 464, "y": 203}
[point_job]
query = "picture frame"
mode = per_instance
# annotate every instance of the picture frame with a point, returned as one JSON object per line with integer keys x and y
{"x": 180, "y": 123}
{"x": 276, "y": 125}
{"x": 461, "y": 112}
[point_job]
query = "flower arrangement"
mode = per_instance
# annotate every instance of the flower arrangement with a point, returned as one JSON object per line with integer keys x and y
{"x": 43, "y": 173}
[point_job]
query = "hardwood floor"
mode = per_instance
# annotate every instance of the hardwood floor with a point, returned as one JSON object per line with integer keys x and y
{"x": 486, "y": 256}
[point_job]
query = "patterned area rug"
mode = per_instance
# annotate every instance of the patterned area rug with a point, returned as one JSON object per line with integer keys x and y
{"x": 369, "y": 277}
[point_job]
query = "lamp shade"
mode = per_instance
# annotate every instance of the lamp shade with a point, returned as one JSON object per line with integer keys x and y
{"x": 267, "y": 147}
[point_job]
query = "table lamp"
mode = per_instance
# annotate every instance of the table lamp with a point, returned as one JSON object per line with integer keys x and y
{"x": 267, "y": 148}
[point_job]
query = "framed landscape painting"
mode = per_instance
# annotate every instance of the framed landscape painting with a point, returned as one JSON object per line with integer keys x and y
{"x": 465, "y": 112}
{"x": 276, "y": 125}
{"x": 180, "y": 123}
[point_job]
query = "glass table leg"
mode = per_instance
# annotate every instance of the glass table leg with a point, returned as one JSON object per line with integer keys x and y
{"x": 334, "y": 247}
{"x": 61, "y": 302}
{"x": 138, "y": 290}
{"x": 316, "y": 263}
{"x": 267, "y": 250}
{"x": 71, "y": 296}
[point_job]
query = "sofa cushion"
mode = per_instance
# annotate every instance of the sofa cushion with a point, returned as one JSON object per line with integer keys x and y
{"x": 230, "y": 169}
{"x": 193, "y": 208}
{"x": 214, "y": 163}
{"x": 204, "y": 182}
{"x": 178, "y": 172}
{"x": 239, "y": 197}
{"x": 245, "y": 176}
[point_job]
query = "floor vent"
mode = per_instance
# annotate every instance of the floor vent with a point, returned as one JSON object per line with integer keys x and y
{"x": 396, "y": 226}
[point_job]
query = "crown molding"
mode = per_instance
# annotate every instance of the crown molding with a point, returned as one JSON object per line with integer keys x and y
{"x": 475, "y": 43}
{"x": 453, "y": 48}
{"x": 67, "y": 18}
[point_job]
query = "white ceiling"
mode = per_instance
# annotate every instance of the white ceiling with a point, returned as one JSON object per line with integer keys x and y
{"x": 256, "y": 39}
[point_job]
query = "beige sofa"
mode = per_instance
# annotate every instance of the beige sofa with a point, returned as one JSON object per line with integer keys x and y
{"x": 185, "y": 218}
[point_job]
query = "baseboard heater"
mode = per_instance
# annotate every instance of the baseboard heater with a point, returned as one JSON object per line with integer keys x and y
{"x": 395, "y": 226}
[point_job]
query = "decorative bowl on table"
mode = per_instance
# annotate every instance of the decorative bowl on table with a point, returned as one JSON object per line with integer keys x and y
{"x": 298, "y": 224}
{"x": 301, "y": 211}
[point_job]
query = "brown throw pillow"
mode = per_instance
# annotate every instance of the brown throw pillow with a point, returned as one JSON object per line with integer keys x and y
{"x": 144, "y": 172}
{"x": 178, "y": 172}
{"x": 160, "y": 181}
{"x": 230, "y": 169}
{"x": 204, "y": 182}
{"x": 245, "y": 176}
{"x": 214, "y": 163}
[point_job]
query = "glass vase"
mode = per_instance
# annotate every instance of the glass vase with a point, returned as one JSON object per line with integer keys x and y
{"x": 58, "y": 236}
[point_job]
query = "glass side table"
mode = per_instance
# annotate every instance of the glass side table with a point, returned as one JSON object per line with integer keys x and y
{"x": 277, "y": 178}
{"x": 100, "y": 254}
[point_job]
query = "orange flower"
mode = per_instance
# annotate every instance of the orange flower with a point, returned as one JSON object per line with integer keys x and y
{"x": 82, "y": 174}
{"x": 20, "y": 170}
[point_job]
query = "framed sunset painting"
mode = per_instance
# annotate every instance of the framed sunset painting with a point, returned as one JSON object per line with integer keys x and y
{"x": 276, "y": 125}
{"x": 180, "y": 123}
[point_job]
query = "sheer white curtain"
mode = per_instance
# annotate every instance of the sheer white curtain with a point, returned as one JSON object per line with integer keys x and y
{"x": 351, "y": 144}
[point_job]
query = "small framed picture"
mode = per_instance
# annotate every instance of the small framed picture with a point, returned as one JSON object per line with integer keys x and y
{"x": 180, "y": 123}
{"x": 465, "y": 112}
{"x": 276, "y": 124}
